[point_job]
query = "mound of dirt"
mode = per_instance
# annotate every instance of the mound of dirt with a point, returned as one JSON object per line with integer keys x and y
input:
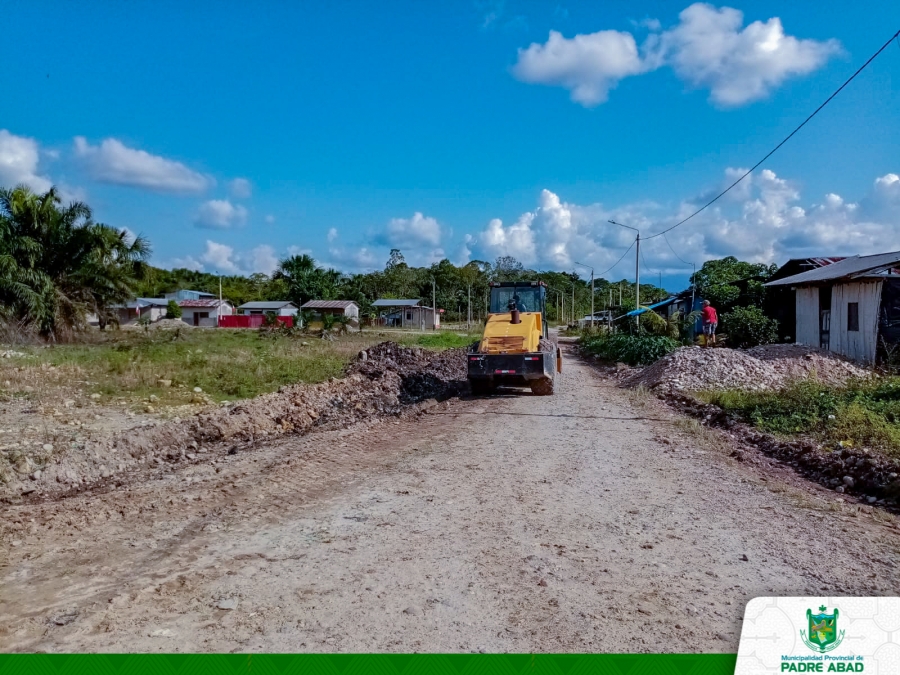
{"x": 162, "y": 324}
{"x": 768, "y": 367}
{"x": 384, "y": 380}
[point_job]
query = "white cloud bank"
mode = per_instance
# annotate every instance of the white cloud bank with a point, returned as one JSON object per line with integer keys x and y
{"x": 708, "y": 48}
{"x": 19, "y": 159}
{"x": 240, "y": 188}
{"x": 768, "y": 222}
{"x": 220, "y": 214}
{"x": 221, "y": 258}
{"x": 114, "y": 162}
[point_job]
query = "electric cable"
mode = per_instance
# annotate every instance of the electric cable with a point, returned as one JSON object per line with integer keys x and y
{"x": 785, "y": 140}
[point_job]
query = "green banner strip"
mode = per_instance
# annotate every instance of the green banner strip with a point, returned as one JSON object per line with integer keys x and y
{"x": 359, "y": 664}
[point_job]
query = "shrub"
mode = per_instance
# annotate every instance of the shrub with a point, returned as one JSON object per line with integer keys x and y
{"x": 631, "y": 349}
{"x": 173, "y": 311}
{"x": 748, "y": 327}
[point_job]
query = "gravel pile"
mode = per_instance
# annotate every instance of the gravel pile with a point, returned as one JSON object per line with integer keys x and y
{"x": 760, "y": 368}
{"x": 384, "y": 380}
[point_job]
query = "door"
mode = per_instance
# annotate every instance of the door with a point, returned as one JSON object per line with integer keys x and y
{"x": 825, "y": 317}
{"x": 196, "y": 318}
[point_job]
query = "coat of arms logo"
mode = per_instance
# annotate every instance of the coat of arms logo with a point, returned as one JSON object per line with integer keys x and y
{"x": 822, "y": 634}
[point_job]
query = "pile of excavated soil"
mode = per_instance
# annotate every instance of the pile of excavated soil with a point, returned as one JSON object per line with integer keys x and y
{"x": 384, "y": 380}
{"x": 162, "y": 324}
{"x": 769, "y": 367}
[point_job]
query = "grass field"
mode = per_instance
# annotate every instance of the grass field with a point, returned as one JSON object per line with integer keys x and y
{"x": 225, "y": 364}
{"x": 862, "y": 414}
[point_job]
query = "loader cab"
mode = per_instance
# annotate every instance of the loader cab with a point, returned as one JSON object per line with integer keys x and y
{"x": 529, "y": 296}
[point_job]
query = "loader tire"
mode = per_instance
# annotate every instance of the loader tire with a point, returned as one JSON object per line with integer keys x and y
{"x": 543, "y": 387}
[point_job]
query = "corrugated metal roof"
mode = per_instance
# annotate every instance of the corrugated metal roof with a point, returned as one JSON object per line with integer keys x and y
{"x": 328, "y": 304}
{"x": 201, "y": 303}
{"x": 389, "y": 302}
{"x": 266, "y": 304}
{"x": 641, "y": 310}
{"x": 848, "y": 267}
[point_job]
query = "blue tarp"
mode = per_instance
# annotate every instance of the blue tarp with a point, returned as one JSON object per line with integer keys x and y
{"x": 641, "y": 310}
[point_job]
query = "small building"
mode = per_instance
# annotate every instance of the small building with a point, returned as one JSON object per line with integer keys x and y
{"x": 151, "y": 309}
{"x": 850, "y": 306}
{"x": 204, "y": 312}
{"x": 276, "y": 307}
{"x": 346, "y": 308}
{"x": 780, "y": 302}
{"x": 399, "y": 313}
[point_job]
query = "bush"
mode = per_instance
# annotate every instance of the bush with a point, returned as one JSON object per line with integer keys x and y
{"x": 631, "y": 349}
{"x": 749, "y": 327}
{"x": 173, "y": 311}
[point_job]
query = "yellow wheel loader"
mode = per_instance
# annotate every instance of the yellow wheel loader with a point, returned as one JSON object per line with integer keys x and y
{"x": 515, "y": 349}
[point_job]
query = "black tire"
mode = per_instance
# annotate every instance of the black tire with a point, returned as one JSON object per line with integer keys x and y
{"x": 542, "y": 387}
{"x": 481, "y": 387}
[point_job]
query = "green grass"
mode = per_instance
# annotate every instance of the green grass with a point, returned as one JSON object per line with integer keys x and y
{"x": 442, "y": 340}
{"x": 862, "y": 413}
{"x": 226, "y": 364}
{"x": 631, "y": 349}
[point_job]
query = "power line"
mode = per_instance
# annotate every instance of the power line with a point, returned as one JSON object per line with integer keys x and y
{"x": 675, "y": 252}
{"x": 786, "y": 139}
{"x": 617, "y": 262}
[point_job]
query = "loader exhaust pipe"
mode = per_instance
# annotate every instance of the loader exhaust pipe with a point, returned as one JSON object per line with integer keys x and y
{"x": 514, "y": 310}
{"x": 514, "y": 316}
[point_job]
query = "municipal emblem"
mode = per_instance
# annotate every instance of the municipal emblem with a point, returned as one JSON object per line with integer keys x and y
{"x": 823, "y": 635}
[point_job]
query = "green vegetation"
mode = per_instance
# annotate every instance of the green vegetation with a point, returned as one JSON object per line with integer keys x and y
{"x": 442, "y": 340}
{"x": 862, "y": 413}
{"x": 173, "y": 311}
{"x": 748, "y": 327}
{"x": 226, "y": 364}
{"x": 634, "y": 350}
{"x": 728, "y": 283}
{"x": 57, "y": 265}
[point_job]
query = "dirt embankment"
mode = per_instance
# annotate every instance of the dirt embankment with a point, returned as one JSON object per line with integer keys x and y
{"x": 385, "y": 380}
{"x": 758, "y": 369}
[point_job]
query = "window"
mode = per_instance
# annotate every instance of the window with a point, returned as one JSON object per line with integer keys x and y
{"x": 853, "y": 316}
{"x": 409, "y": 316}
{"x": 204, "y": 315}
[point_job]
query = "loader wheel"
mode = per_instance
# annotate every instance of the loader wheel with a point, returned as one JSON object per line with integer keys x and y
{"x": 481, "y": 387}
{"x": 542, "y": 387}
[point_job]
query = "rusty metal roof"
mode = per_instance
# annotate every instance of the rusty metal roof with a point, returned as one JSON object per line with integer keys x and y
{"x": 849, "y": 268}
{"x": 327, "y": 304}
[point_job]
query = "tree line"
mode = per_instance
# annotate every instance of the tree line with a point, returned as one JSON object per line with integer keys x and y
{"x": 58, "y": 266}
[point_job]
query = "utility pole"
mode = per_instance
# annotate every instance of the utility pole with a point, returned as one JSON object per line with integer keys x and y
{"x": 573, "y": 303}
{"x": 637, "y": 268}
{"x": 469, "y": 311}
{"x": 219, "y": 308}
{"x": 692, "y": 286}
{"x": 434, "y": 317}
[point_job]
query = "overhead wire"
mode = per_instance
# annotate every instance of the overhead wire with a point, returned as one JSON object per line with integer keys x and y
{"x": 617, "y": 261}
{"x": 785, "y": 140}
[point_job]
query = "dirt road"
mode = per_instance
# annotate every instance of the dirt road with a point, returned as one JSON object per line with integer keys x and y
{"x": 581, "y": 522}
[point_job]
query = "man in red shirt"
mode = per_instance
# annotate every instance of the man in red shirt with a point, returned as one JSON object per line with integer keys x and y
{"x": 710, "y": 321}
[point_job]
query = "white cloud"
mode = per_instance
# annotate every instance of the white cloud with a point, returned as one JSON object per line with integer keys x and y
{"x": 332, "y": 234}
{"x": 220, "y": 214}
{"x": 299, "y": 250}
{"x": 770, "y": 222}
{"x": 19, "y": 158}
{"x": 414, "y": 232}
{"x": 587, "y": 65}
{"x": 240, "y": 188}
{"x": 270, "y": 219}
{"x": 222, "y": 258}
{"x": 708, "y": 48}
{"x": 114, "y": 162}
{"x": 188, "y": 263}
{"x": 263, "y": 259}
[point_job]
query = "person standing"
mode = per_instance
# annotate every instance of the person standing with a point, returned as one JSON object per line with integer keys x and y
{"x": 710, "y": 321}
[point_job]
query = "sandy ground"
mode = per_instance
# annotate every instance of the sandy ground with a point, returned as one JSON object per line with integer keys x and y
{"x": 586, "y": 521}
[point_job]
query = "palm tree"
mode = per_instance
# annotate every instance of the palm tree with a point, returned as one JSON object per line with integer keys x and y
{"x": 57, "y": 265}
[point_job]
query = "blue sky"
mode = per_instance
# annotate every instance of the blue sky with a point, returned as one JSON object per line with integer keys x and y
{"x": 458, "y": 129}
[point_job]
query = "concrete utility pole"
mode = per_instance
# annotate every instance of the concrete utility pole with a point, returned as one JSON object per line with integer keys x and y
{"x": 434, "y": 316}
{"x": 637, "y": 268}
{"x": 469, "y": 311}
{"x": 592, "y": 292}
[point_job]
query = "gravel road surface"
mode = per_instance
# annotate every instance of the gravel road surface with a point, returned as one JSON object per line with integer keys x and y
{"x": 591, "y": 520}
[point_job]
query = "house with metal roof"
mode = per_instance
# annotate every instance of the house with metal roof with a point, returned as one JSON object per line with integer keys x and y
{"x": 346, "y": 308}
{"x": 403, "y": 313}
{"x": 276, "y": 307}
{"x": 204, "y": 312}
{"x": 850, "y": 306}
{"x": 780, "y": 302}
